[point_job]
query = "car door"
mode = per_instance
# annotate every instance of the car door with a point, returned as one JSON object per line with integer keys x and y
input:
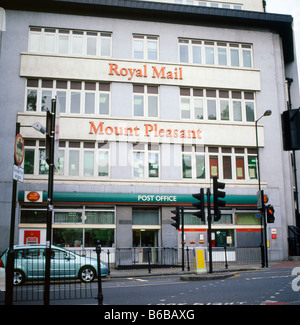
{"x": 62, "y": 264}
{"x": 34, "y": 262}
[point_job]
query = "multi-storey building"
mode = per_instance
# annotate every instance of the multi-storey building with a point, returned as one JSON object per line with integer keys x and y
{"x": 155, "y": 99}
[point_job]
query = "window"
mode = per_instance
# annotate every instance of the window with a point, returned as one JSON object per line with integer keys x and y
{"x": 145, "y": 47}
{"x": 145, "y": 101}
{"x": 145, "y": 160}
{"x": 193, "y": 162}
{"x": 33, "y": 216}
{"x": 145, "y": 237}
{"x": 215, "y": 53}
{"x": 191, "y": 103}
{"x": 69, "y": 42}
{"x": 220, "y": 105}
{"x": 84, "y": 159}
{"x": 84, "y": 227}
{"x": 191, "y": 220}
{"x": 73, "y": 97}
{"x": 224, "y": 162}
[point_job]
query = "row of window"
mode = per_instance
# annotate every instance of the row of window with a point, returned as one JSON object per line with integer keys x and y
{"x": 69, "y": 42}
{"x": 145, "y": 47}
{"x": 209, "y": 4}
{"x": 90, "y": 159}
{"x": 86, "y": 235}
{"x": 221, "y": 105}
{"x": 74, "y": 97}
{"x": 215, "y": 53}
{"x": 223, "y": 162}
{"x": 94, "y": 98}
{"x": 140, "y": 217}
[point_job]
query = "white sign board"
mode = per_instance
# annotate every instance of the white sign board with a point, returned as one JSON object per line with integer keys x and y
{"x": 18, "y": 173}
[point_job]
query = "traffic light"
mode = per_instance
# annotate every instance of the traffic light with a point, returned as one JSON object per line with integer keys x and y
{"x": 218, "y": 194}
{"x": 270, "y": 214}
{"x": 199, "y": 205}
{"x": 176, "y": 218}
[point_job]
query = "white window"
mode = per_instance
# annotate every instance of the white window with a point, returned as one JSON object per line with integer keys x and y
{"x": 145, "y": 160}
{"x": 215, "y": 53}
{"x": 221, "y": 105}
{"x": 73, "y": 97}
{"x": 145, "y": 47}
{"x": 227, "y": 163}
{"x": 69, "y": 42}
{"x": 145, "y": 101}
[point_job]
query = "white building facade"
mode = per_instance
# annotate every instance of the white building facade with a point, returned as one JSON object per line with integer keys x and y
{"x": 155, "y": 99}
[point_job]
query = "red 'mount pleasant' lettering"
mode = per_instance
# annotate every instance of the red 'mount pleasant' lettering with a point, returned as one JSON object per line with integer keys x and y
{"x": 146, "y": 130}
{"x": 161, "y": 72}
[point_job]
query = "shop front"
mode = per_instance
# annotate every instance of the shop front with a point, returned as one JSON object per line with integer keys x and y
{"x": 134, "y": 220}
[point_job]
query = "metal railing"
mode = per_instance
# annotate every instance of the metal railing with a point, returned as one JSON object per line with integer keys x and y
{"x": 68, "y": 288}
{"x": 134, "y": 257}
{"x": 64, "y": 283}
{"x": 153, "y": 257}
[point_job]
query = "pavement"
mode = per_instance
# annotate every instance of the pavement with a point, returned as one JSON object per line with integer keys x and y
{"x": 185, "y": 275}
{"x": 190, "y": 275}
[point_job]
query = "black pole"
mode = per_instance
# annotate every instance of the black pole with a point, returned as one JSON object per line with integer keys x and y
{"x": 209, "y": 230}
{"x": 149, "y": 259}
{"x": 262, "y": 200}
{"x": 182, "y": 237}
{"x": 50, "y": 142}
{"x": 265, "y": 236}
{"x": 98, "y": 252}
{"x": 226, "y": 264}
{"x": 188, "y": 259}
{"x": 9, "y": 276}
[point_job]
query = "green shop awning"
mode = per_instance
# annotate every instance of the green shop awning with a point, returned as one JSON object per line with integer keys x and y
{"x": 139, "y": 199}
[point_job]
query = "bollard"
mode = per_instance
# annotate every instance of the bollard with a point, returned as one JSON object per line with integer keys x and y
{"x": 98, "y": 252}
{"x": 226, "y": 264}
{"x": 188, "y": 260}
{"x": 108, "y": 252}
{"x": 149, "y": 265}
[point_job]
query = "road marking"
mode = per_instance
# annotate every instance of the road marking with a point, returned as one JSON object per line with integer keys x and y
{"x": 135, "y": 279}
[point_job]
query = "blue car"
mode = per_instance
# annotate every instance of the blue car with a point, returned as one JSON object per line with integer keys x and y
{"x": 30, "y": 264}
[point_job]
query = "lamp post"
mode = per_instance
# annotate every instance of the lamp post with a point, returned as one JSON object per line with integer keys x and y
{"x": 263, "y": 220}
{"x": 11, "y": 253}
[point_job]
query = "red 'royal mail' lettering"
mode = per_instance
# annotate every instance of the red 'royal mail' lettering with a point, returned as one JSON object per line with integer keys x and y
{"x": 114, "y": 70}
{"x": 157, "y": 72}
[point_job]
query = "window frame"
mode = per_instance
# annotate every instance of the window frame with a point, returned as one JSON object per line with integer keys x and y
{"x": 64, "y": 89}
{"x": 213, "y": 48}
{"x": 146, "y": 150}
{"x": 70, "y": 35}
{"x": 145, "y": 41}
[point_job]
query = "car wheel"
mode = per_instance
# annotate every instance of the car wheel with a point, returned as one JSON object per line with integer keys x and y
{"x": 87, "y": 274}
{"x": 19, "y": 277}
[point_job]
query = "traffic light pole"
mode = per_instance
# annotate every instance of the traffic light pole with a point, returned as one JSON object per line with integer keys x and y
{"x": 209, "y": 230}
{"x": 182, "y": 237}
{"x": 50, "y": 142}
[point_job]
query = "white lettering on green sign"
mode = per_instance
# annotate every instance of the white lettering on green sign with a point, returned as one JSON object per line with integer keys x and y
{"x": 157, "y": 198}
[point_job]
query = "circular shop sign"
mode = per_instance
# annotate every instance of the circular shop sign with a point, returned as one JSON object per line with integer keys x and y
{"x": 33, "y": 196}
{"x": 19, "y": 149}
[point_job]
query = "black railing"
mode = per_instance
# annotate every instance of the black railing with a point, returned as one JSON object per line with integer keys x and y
{"x": 154, "y": 257}
{"x": 67, "y": 288}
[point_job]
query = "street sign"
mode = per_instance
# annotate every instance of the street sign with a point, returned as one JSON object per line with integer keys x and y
{"x": 18, "y": 173}
{"x": 19, "y": 149}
